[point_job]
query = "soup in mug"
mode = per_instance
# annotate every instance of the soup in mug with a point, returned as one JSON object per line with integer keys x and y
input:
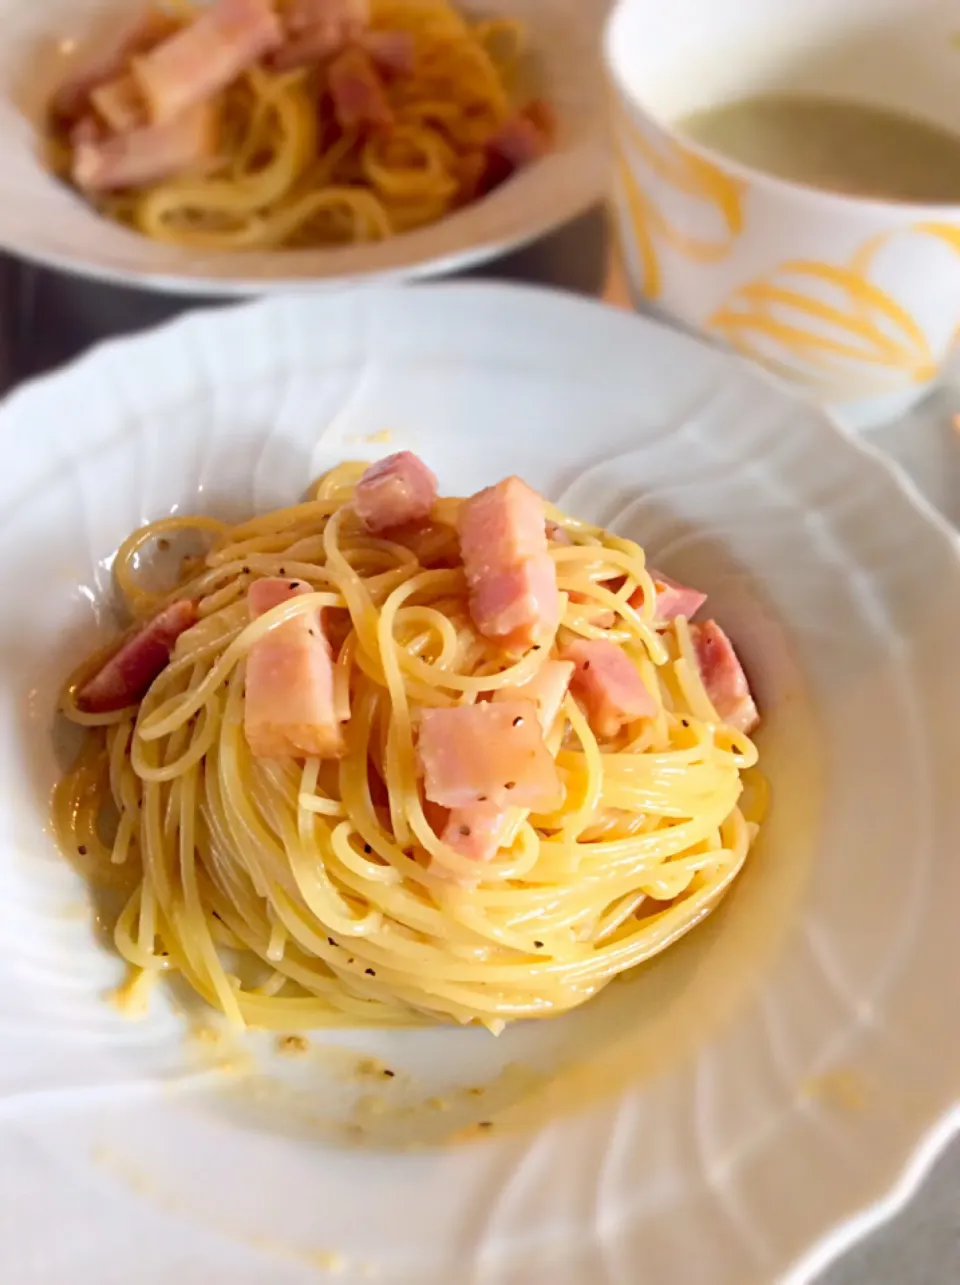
{"x": 839, "y": 145}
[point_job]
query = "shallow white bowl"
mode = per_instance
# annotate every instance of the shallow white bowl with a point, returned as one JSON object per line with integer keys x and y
{"x": 46, "y": 221}
{"x": 786, "y": 1070}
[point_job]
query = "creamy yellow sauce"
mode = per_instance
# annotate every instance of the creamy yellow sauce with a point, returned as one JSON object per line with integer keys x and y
{"x": 834, "y": 144}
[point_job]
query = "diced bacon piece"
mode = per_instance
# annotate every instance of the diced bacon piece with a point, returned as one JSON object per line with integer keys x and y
{"x": 394, "y": 52}
{"x": 519, "y": 141}
{"x": 395, "y": 491}
{"x": 472, "y": 170}
{"x": 520, "y": 606}
{"x": 289, "y": 707}
{"x": 346, "y": 17}
{"x": 264, "y": 595}
{"x": 120, "y": 103}
{"x": 487, "y": 753}
{"x": 722, "y": 675}
{"x": 110, "y": 61}
{"x": 307, "y": 48}
{"x": 200, "y": 60}
{"x": 609, "y": 685}
{"x": 358, "y": 92}
{"x": 475, "y": 831}
{"x": 318, "y": 30}
{"x": 673, "y": 599}
{"x": 546, "y": 689}
{"x": 512, "y": 579}
{"x": 87, "y": 130}
{"x": 500, "y": 527}
{"x": 524, "y": 138}
{"x": 127, "y": 676}
{"x": 149, "y": 154}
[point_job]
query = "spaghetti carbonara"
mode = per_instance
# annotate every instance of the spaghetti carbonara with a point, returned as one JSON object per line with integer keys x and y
{"x": 262, "y": 124}
{"x": 383, "y": 757}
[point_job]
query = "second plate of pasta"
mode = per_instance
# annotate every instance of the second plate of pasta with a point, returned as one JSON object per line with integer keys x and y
{"x": 252, "y": 145}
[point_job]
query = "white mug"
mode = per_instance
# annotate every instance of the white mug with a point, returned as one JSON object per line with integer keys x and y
{"x": 853, "y": 300}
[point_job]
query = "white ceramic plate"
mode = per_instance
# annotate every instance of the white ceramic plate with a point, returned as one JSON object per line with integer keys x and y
{"x": 44, "y": 220}
{"x": 713, "y": 1119}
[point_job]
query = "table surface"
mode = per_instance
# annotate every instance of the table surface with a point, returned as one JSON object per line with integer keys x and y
{"x": 47, "y": 319}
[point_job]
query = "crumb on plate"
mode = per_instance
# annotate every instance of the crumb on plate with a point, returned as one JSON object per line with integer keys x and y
{"x": 293, "y": 1045}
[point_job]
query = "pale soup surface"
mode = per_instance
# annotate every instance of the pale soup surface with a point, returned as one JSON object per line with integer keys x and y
{"x": 834, "y": 144}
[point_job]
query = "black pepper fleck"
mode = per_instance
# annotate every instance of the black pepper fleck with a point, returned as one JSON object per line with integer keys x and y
{"x": 293, "y": 584}
{"x": 331, "y": 942}
{"x": 465, "y": 831}
{"x": 485, "y": 1124}
{"x": 283, "y": 571}
{"x": 517, "y": 721}
{"x": 388, "y": 1073}
{"x": 510, "y": 785}
{"x": 349, "y": 961}
{"x": 82, "y": 849}
{"x": 367, "y": 849}
{"x": 586, "y": 665}
{"x": 539, "y": 945}
{"x": 370, "y": 972}
{"x": 481, "y": 798}
{"x": 684, "y": 722}
{"x": 536, "y": 647}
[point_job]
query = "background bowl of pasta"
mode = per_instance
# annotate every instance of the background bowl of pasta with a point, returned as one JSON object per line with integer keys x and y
{"x": 806, "y": 1012}
{"x": 250, "y": 146}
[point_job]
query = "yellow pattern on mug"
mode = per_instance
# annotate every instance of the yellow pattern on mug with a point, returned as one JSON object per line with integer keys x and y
{"x": 831, "y": 327}
{"x": 690, "y": 177}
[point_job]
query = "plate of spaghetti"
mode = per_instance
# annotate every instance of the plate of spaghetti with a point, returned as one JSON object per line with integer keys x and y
{"x": 478, "y": 775}
{"x": 443, "y": 693}
{"x": 250, "y": 145}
